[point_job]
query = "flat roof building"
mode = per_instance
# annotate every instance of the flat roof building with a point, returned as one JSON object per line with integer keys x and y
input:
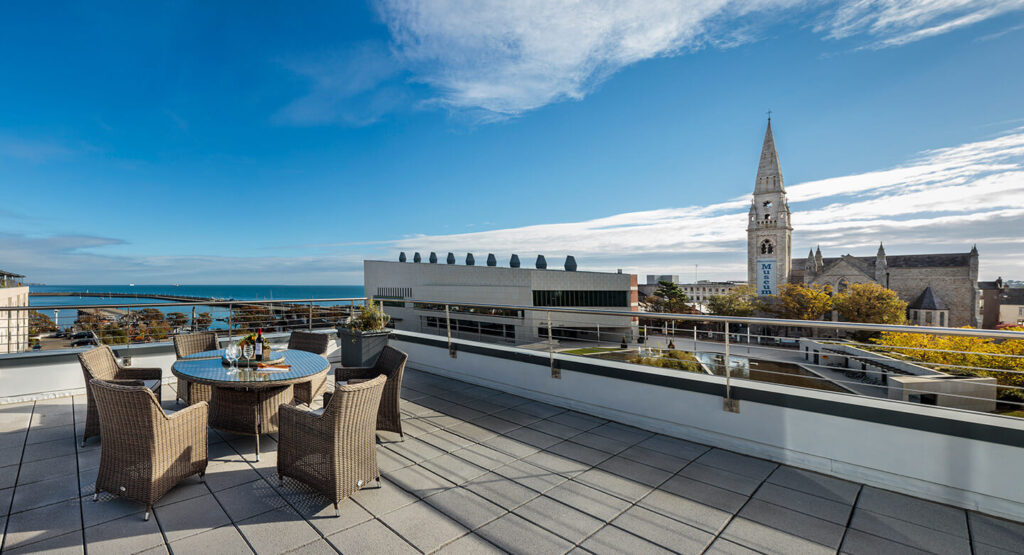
{"x": 452, "y": 284}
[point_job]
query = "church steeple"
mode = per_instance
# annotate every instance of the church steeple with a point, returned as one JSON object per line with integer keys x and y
{"x": 769, "y": 171}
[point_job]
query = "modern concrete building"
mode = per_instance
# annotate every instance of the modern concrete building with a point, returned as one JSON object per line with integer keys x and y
{"x": 453, "y": 284}
{"x": 703, "y": 290}
{"x": 13, "y": 324}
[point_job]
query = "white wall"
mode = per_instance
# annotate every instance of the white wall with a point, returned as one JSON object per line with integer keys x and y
{"x": 13, "y": 324}
{"x": 964, "y": 472}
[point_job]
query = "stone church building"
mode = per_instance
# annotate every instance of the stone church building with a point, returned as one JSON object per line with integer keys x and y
{"x": 941, "y": 289}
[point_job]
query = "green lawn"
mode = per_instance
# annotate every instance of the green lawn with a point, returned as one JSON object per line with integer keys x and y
{"x": 591, "y": 350}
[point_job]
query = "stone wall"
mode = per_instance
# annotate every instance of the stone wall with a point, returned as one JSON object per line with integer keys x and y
{"x": 952, "y": 284}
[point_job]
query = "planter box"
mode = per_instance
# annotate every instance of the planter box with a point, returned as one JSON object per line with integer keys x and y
{"x": 361, "y": 348}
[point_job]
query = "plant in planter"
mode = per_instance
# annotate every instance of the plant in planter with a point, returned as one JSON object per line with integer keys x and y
{"x": 363, "y": 337}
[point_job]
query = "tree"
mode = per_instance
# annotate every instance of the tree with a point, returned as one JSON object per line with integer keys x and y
{"x": 800, "y": 302}
{"x": 739, "y": 301}
{"x": 203, "y": 321}
{"x": 669, "y": 298}
{"x": 151, "y": 315}
{"x": 870, "y": 303}
{"x": 177, "y": 319}
{"x": 39, "y": 323}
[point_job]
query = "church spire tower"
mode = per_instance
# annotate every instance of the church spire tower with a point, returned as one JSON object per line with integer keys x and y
{"x": 769, "y": 233}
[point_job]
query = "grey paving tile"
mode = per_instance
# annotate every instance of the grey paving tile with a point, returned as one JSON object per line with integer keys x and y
{"x": 46, "y": 469}
{"x": 726, "y": 547}
{"x": 654, "y": 458}
{"x": 508, "y": 400}
{"x": 462, "y": 412}
{"x": 832, "y": 511}
{"x": 469, "y": 544}
{"x": 540, "y": 409}
{"x": 997, "y": 532}
{"x": 557, "y": 463}
{"x": 446, "y": 441}
{"x": 517, "y": 416}
{"x": 907, "y": 533}
{"x": 510, "y": 446}
{"x": 720, "y": 478}
{"x": 89, "y": 458}
{"x": 862, "y": 543}
{"x": 8, "y": 475}
{"x": 622, "y": 432}
{"x": 743, "y": 465}
{"x": 555, "y": 429}
{"x": 109, "y": 507}
{"x": 465, "y": 507}
{"x": 986, "y": 549}
{"x": 588, "y": 499}
{"x": 533, "y": 437}
{"x": 380, "y": 501}
{"x": 319, "y": 547}
{"x": 46, "y": 492}
{"x": 663, "y": 531}
{"x": 769, "y": 540}
{"x": 686, "y": 510}
{"x": 388, "y": 460}
{"x": 415, "y": 450}
{"x": 370, "y": 537}
{"x": 424, "y": 526}
{"x": 472, "y": 431}
{"x": 484, "y": 456}
{"x": 795, "y": 523}
{"x": 632, "y": 470}
{"x": 188, "y": 518}
{"x": 578, "y": 452}
{"x": 65, "y": 544}
{"x": 515, "y": 535}
{"x": 416, "y": 427}
{"x": 911, "y": 509}
{"x": 247, "y": 500}
{"x": 533, "y": 477}
{"x": 39, "y": 435}
{"x": 613, "y": 484}
{"x": 501, "y": 491}
{"x": 495, "y": 424}
{"x": 454, "y": 469}
{"x": 319, "y": 511}
{"x": 614, "y": 541}
{"x": 130, "y": 534}
{"x": 277, "y": 531}
{"x": 815, "y": 484}
{"x": 224, "y": 540}
{"x": 186, "y": 489}
{"x": 578, "y": 420}
{"x": 223, "y": 452}
{"x": 601, "y": 443}
{"x": 557, "y": 517}
{"x": 49, "y": 450}
{"x": 419, "y": 481}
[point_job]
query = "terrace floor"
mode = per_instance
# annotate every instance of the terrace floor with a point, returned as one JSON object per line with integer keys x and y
{"x": 480, "y": 471}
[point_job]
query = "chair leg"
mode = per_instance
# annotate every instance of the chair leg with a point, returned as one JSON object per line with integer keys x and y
{"x": 337, "y": 511}
{"x": 149, "y": 509}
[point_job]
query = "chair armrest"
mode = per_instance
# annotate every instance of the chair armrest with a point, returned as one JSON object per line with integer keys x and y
{"x": 355, "y": 372}
{"x": 133, "y": 373}
{"x": 298, "y": 422}
{"x": 125, "y": 382}
{"x": 187, "y": 429}
{"x": 199, "y": 411}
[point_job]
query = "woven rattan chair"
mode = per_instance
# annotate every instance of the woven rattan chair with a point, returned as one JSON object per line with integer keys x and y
{"x": 100, "y": 364}
{"x": 146, "y": 452}
{"x": 390, "y": 363}
{"x": 313, "y": 343}
{"x": 332, "y": 450}
{"x": 190, "y": 344}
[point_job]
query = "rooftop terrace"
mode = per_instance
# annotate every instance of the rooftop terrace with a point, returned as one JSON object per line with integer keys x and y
{"x": 481, "y": 470}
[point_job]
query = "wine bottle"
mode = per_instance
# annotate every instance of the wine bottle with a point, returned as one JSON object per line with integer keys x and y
{"x": 259, "y": 344}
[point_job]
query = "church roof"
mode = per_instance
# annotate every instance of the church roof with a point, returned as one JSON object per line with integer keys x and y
{"x": 1013, "y": 295}
{"x": 928, "y": 300}
{"x": 952, "y": 260}
{"x": 769, "y": 171}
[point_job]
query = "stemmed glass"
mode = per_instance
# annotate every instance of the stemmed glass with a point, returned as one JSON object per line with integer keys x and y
{"x": 248, "y": 351}
{"x": 232, "y": 353}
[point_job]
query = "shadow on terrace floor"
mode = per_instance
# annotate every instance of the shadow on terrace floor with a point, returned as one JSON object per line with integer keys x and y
{"x": 480, "y": 471}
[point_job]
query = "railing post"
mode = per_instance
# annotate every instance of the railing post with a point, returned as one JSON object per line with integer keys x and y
{"x": 556, "y": 373}
{"x": 231, "y": 315}
{"x": 310, "y": 315}
{"x": 448, "y": 327}
{"x": 730, "y": 404}
{"x": 192, "y": 326}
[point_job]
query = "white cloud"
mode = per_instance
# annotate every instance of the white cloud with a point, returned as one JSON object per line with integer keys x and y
{"x": 500, "y": 58}
{"x": 945, "y": 199}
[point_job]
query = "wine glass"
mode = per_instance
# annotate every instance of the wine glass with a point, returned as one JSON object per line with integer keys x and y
{"x": 248, "y": 351}
{"x": 232, "y": 353}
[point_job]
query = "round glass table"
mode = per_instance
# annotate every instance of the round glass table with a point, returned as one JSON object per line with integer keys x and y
{"x": 246, "y": 400}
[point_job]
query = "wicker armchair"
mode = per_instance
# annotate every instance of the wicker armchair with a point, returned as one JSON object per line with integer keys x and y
{"x": 145, "y": 452}
{"x": 332, "y": 450}
{"x": 100, "y": 364}
{"x": 313, "y": 343}
{"x": 190, "y": 344}
{"x": 390, "y": 363}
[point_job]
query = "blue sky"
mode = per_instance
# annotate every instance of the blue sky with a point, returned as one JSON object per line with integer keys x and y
{"x": 251, "y": 143}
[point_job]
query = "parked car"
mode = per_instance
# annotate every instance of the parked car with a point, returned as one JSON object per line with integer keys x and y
{"x": 36, "y": 347}
{"x": 83, "y": 335}
{"x": 86, "y": 342}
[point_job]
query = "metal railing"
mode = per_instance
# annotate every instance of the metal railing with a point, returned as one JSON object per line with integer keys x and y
{"x": 989, "y": 377}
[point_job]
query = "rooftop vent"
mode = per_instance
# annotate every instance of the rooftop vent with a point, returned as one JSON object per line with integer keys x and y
{"x": 470, "y": 261}
{"x": 570, "y": 263}
{"x": 417, "y": 258}
{"x": 401, "y": 256}
{"x": 433, "y": 257}
{"x": 491, "y": 261}
{"x": 542, "y": 264}
{"x": 514, "y": 261}
{"x": 451, "y": 258}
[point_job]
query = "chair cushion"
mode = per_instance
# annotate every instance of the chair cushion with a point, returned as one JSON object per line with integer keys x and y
{"x": 152, "y": 385}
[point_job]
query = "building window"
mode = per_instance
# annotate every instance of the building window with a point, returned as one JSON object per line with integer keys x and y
{"x": 942, "y": 319}
{"x": 766, "y": 246}
{"x": 581, "y": 298}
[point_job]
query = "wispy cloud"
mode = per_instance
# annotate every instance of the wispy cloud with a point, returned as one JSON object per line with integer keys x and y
{"x": 942, "y": 200}
{"x": 31, "y": 150}
{"x": 496, "y": 59}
